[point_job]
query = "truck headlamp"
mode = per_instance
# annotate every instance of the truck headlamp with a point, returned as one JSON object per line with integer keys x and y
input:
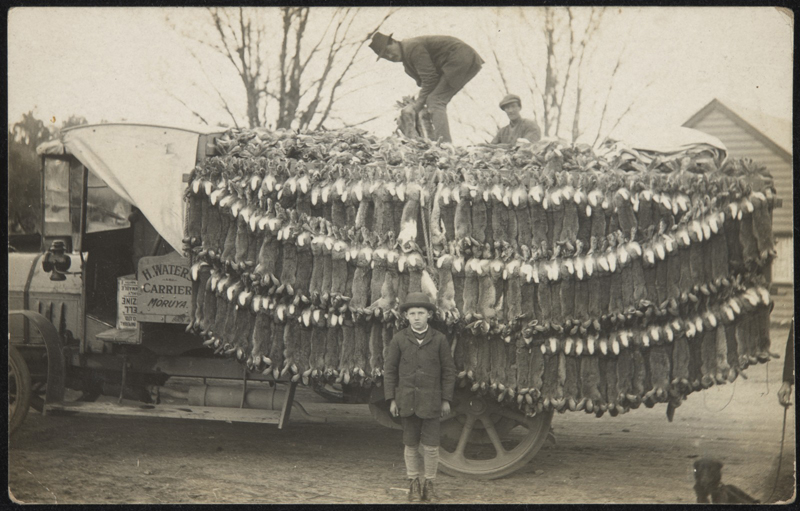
{"x": 56, "y": 261}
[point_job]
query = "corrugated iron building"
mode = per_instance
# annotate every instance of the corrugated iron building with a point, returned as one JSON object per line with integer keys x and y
{"x": 768, "y": 141}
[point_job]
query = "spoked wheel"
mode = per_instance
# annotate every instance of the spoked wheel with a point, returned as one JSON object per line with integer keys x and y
{"x": 483, "y": 440}
{"x": 19, "y": 389}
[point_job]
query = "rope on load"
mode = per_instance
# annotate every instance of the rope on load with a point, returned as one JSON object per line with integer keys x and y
{"x": 725, "y": 405}
{"x": 426, "y": 211}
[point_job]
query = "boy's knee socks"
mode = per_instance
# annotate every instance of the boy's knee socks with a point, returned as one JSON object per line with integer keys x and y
{"x": 431, "y": 460}
{"x": 414, "y": 462}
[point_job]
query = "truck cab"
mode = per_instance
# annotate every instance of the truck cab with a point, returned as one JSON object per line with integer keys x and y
{"x": 101, "y": 185}
{"x": 111, "y": 199}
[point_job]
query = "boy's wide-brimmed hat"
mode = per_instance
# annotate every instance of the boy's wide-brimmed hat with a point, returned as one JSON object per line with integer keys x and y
{"x": 379, "y": 43}
{"x": 417, "y": 300}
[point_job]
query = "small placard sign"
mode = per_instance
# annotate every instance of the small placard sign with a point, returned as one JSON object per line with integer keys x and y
{"x": 127, "y": 293}
{"x": 165, "y": 289}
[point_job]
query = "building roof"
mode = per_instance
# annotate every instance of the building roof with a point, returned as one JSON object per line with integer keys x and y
{"x": 775, "y": 132}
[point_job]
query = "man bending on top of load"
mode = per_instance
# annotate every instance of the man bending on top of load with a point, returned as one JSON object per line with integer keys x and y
{"x": 441, "y": 66}
{"x": 518, "y": 127}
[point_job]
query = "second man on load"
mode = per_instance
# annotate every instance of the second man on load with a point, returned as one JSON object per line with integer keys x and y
{"x": 441, "y": 66}
{"x": 518, "y": 127}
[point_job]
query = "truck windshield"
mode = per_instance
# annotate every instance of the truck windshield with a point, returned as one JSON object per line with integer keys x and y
{"x": 106, "y": 210}
{"x": 57, "y": 217}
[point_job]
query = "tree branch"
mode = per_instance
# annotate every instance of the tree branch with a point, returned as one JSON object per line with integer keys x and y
{"x": 565, "y": 84}
{"x": 308, "y": 113}
{"x": 287, "y": 24}
{"x": 224, "y": 102}
{"x": 497, "y": 63}
{"x": 592, "y": 26}
{"x": 221, "y": 31}
{"x": 347, "y": 67}
{"x": 611, "y": 85}
{"x": 359, "y": 123}
{"x": 319, "y": 41}
{"x": 627, "y": 110}
{"x": 193, "y": 112}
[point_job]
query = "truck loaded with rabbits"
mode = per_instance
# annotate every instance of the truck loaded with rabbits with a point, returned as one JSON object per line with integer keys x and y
{"x": 566, "y": 278}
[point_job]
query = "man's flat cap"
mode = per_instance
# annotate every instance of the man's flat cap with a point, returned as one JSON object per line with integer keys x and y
{"x": 510, "y": 98}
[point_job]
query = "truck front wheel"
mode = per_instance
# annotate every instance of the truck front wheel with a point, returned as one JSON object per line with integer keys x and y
{"x": 19, "y": 389}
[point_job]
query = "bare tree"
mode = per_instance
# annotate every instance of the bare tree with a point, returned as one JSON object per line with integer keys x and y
{"x": 292, "y": 62}
{"x": 566, "y": 40}
{"x": 24, "y": 199}
{"x": 577, "y": 54}
{"x": 558, "y": 66}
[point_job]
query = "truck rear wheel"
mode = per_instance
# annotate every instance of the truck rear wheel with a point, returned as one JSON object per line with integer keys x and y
{"x": 19, "y": 389}
{"x": 483, "y": 440}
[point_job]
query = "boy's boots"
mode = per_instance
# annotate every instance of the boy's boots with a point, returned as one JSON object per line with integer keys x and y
{"x": 414, "y": 492}
{"x": 428, "y": 493}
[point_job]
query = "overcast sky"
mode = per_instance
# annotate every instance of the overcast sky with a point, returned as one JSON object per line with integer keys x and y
{"x": 116, "y": 64}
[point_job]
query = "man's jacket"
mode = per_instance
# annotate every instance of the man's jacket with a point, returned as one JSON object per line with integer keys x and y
{"x": 429, "y": 58}
{"x": 525, "y": 128}
{"x": 418, "y": 376}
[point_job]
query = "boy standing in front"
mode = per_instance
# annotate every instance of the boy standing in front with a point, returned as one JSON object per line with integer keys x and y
{"x": 419, "y": 378}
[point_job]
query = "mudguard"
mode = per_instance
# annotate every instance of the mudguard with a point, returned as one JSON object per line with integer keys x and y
{"x": 56, "y": 365}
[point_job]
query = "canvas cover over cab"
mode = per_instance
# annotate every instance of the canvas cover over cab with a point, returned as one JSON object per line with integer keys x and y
{"x": 143, "y": 164}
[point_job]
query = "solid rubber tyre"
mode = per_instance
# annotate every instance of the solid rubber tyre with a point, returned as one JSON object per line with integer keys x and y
{"x": 457, "y": 463}
{"x": 19, "y": 389}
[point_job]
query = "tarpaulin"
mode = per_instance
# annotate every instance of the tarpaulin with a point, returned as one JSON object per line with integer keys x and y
{"x": 143, "y": 164}
{"x": 665, "y": 142}
{"x": 671, "y": 140}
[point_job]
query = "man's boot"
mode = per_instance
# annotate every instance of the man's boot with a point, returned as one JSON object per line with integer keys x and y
{"x": 414, "y": 492}
{"x": 428, "y": 493}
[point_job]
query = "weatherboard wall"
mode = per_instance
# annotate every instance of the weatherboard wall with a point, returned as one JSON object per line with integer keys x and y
{"x": 742, "y": 144}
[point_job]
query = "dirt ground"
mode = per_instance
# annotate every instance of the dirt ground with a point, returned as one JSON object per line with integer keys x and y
{"x": 637, "y": 457}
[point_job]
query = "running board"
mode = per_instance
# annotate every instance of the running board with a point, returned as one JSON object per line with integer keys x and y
{"x": 213, "y": 413}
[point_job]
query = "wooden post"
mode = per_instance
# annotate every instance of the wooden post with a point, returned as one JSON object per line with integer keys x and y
{"x": 287, "y": 405}
{"x": 244, "y": 385}
{"x": 124, "y": 377}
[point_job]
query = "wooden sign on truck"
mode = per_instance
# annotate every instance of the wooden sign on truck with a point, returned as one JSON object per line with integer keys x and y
{"x": 165, "y": 289}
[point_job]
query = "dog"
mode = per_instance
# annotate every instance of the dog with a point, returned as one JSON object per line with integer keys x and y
{"x": 708, "y": 481}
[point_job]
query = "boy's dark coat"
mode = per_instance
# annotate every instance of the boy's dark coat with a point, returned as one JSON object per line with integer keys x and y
{"x": 418, "y": 376}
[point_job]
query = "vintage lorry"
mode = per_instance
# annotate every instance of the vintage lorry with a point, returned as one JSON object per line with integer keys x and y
{"x": 147, "y": 229}
{"x": 103, "y": 306}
